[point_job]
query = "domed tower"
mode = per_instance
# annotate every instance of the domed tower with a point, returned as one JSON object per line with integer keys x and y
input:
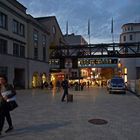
{"x": 130, "y": 33}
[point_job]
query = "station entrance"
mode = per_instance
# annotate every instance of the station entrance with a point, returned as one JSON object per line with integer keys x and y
{"x": 94, "y": 63}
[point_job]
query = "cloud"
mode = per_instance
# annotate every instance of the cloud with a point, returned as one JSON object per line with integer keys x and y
{"x": 77, "y": 13}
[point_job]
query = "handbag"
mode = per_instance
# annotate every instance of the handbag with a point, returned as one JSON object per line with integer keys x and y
{"x": 12, "y": 105}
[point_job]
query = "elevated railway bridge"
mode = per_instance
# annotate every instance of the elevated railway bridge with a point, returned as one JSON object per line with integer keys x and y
{"x": 68, "y": 57}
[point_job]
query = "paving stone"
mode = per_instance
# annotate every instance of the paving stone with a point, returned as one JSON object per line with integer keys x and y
{"x": 42, "y": 116}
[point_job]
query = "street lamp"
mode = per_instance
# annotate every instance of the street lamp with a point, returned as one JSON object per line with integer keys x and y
{"x": 68, "y": 66}
{"x": 119, "y": 68}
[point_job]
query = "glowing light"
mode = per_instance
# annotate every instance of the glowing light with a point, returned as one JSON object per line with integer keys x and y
{"x": 125, "y": 70}
{"x": 93, "y": 69}
{"x": 52, "y": 78}
{"x": 119, "y": 65}
{"x": 125, "y": 78}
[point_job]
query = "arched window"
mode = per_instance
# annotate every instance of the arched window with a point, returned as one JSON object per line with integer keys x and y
{"x": 53, "y": 30}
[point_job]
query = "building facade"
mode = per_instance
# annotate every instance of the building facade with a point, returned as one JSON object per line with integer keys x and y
{"x": 131, "y": 34}
{"x": 56, "y": 40}
{"x": 38, "y": 43}
{"x": 51, "y": 24}
{"x": 24, "y": 45}
{"x": 72, "y": 39}
{"x": 13, "y": 42}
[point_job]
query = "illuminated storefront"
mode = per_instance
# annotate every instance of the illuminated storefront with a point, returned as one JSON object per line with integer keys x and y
{"x": 35, "y": 80}
{"x": 38, "y": 79}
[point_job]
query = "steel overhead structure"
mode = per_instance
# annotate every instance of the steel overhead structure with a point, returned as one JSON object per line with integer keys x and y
{"x": 119, "y": 50}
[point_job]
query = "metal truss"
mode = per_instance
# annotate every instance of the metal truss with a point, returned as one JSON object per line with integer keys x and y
{"x": 120, "y": 50}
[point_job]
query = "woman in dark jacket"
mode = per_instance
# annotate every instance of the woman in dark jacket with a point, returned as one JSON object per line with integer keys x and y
{"x": 4, "y": 98}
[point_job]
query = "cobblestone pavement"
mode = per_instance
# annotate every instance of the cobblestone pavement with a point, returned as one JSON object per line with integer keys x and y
{"x": 42, "y": 116}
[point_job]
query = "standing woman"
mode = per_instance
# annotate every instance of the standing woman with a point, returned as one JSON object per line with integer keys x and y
{"x": 5, "y": 113}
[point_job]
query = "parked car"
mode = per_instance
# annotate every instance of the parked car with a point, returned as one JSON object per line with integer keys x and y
{"x": 117, "y": 85}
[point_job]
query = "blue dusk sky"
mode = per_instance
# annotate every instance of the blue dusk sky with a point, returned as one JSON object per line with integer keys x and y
{"x": 77, "y": 13}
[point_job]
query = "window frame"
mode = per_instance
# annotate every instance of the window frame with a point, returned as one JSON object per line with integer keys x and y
{"x": 3, "y": 21}
{"x": 3, "y": 46}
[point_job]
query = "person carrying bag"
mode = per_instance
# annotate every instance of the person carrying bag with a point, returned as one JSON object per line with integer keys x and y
{"x": 10, "y": 98}
{"x": 8, "y": 102}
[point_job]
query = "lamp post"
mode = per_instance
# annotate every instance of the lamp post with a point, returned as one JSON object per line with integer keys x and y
{"x": 79, "y": 75}
{"x": 68, "y": 65}
{"x": 119, "y": 68}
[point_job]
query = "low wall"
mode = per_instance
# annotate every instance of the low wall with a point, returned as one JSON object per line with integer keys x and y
{"x": 137, "y": 88}
{"x": 134, "y": 86}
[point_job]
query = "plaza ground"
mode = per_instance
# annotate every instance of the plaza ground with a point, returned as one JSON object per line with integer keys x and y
{"x": 42, "y": 116}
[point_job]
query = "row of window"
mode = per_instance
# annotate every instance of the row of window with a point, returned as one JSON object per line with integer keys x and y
{"x": 18, "y": 50}
{"x": 36, "y": 39}
{"x": 17, "y": 27}
{"x": 130, "y": 38}
{"x": 36, "y": 53}
{"x": 129, "y": 28}
{"x": 44, "y": 42}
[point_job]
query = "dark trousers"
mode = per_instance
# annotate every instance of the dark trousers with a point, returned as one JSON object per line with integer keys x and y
{"x": 64, "y": 94}
{"x": 1, "y": 120}
{"x": 4, "y": 113}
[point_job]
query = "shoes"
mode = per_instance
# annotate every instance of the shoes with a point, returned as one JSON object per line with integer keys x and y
{"x": 9, "y": 129}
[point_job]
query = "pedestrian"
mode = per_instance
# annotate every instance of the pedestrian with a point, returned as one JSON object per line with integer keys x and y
{"x": 51, "y": 85}
{"x": 7, "y": 94}
{"x": 65, "y": 86}
{"x": 88, "y": 84}
{"x": 46, "y": 84}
